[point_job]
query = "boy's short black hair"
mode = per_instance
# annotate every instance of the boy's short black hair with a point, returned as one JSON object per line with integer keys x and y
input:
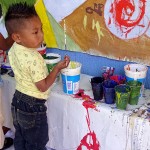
{"x": 17, "y": 14}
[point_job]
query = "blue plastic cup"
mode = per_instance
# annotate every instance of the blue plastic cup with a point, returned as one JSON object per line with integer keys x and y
{"x": 109, "y": 91}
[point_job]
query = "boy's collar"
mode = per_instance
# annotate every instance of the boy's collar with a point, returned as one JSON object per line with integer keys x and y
{"x": 21, "y": 46}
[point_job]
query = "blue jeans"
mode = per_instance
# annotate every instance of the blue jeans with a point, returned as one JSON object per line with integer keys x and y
{"x": 30, "y": 122}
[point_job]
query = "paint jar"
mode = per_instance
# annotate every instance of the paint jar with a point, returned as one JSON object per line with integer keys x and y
{"x": 71, "y": 78}
{"x": 136, "y": 72}
{"x": 135, "y": 87}
{"x": 118, "y": 78}
{"x": 109, "y": 91}
{"x": 97, "y": 88}
{"x": 42, "y": 49}
{"x": 51, "y": 60}
{"x": 122, "y": 92}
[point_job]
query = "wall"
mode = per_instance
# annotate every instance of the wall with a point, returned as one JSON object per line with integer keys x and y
{"x": 92, "y": 65}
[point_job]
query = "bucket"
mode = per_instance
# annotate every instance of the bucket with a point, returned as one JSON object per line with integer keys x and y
{"x": 42, "y": 50}
{"x": 136, "y": 72}
{"x": 51, "y": 60}
{"x": 71, "y": 77}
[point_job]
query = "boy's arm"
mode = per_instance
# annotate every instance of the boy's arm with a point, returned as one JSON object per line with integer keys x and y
{"x": 44, "y": 84}
{"x": 5, "y": 44}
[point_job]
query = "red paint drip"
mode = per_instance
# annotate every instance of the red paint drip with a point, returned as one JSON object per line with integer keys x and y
{"x": 89, "y": 140}
{"x": 89, "y": 104}
{"x": 93, "y": 145}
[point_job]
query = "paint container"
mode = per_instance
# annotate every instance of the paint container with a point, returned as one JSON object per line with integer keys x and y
{"x": 42, "y": 50}
{"x": 97, "y": 88}
{"x": 109, "y": 91}
{"x": 71, "y": 77}
{"x": 118, "y": 78}
{"x": 122, "y": 92}
{"x": 51, "y": 60}
{"x": 135, "y": 87}
{"x": 136, "y": 72}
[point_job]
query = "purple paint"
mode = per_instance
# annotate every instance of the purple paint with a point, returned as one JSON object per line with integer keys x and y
{"x": 119, "y": 79}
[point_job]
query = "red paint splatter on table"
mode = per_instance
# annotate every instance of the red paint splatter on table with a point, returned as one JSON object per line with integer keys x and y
{"x": 89, "y": 140}
{"x": 81, "y": 94}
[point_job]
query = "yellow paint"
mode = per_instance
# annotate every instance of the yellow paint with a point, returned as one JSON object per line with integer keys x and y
{"x": 118, "y": 97}
{"x": 85, "y": 21}
{"x": 98, "y": 28}
{"x": 73, "y": 65}
{"x": 49, "y": 36}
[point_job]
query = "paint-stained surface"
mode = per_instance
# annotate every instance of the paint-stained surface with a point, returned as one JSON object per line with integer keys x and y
{"x": 89, "y": 141}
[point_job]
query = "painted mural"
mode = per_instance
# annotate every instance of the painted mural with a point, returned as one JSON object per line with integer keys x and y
{"x": 117, "y": 29}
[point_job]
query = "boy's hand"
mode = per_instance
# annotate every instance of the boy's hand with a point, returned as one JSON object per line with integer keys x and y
{"x": 63, "y": 64}
{"x": 44, "y": 84}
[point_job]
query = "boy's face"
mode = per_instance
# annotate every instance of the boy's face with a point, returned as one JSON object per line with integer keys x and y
{"x": 31, "y": 34}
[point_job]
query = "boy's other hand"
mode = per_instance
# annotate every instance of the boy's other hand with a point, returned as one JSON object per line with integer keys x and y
{"x": 63, "y": 64}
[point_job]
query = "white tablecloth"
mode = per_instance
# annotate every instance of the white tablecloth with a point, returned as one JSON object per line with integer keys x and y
{"x": 71, "y": 125}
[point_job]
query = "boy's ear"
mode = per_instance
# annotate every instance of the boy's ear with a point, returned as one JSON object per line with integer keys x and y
{"x": 16, "y": 37}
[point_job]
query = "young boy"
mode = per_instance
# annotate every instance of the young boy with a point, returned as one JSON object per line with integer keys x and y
{"x": 32, "y": 78}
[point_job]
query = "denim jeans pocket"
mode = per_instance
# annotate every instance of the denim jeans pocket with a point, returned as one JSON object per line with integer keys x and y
{"x": 25, "y": 119}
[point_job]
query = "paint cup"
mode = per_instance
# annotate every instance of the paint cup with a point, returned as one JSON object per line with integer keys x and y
{"x": 71, "y": 77}
{"x": 135, "y": 87}
{"x": 42, "y": 49}
{"x": 136, "y": 72}
{"x": 118, "y": 78}
{"x": 109, "y": 91}
{"x": 122, "y": 92}
{"x": 97, "y": 88}
{"x": 51, "y": 60}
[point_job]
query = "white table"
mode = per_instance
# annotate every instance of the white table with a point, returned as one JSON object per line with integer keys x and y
{"x": 68, "y": 121}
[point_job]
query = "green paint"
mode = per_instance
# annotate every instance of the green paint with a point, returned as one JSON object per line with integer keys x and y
{"x": 122, "y": 96}
{"x": 50, "y": 66}
{"x": 135, "y": 91}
